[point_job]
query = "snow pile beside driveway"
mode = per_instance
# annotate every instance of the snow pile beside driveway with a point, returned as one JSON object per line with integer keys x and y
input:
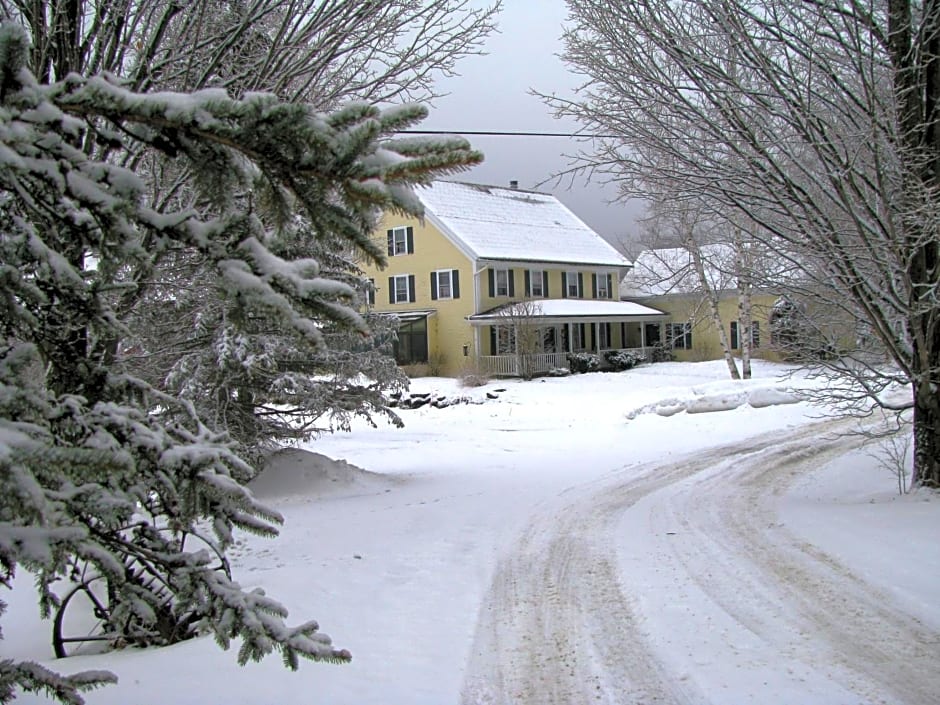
{"x": 721, "y": 397}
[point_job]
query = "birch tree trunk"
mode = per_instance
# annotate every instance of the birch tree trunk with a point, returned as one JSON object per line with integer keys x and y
{"x": 745, "y": 324}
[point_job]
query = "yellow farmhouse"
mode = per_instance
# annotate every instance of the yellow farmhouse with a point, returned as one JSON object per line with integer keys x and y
{"x": 493, "y": 278}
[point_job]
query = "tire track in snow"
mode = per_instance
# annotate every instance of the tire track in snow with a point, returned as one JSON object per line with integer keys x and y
{"x": 800, "y": 601}
{"x": 556, "y": 626}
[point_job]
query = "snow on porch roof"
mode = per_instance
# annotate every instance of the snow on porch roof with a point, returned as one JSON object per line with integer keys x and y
{"x": 512, "y": 224}
{"x": 572, "y": 308}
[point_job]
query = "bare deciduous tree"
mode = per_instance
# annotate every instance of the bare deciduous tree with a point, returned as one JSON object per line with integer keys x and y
{"x": 524, "y": 338}
{"x": 817, "y": 123}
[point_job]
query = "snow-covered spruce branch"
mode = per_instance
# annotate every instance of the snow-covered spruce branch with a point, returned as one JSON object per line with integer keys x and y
{"x": 105, "y": 471}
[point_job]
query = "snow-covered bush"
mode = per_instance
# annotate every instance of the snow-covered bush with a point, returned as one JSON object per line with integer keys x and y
{"x": 583, "y": 362}
{"x": 623, "y": 359}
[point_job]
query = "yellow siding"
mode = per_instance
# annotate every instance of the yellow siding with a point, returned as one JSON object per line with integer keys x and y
{"x": 705, "y": 341}
{"x": 448, "y": 329}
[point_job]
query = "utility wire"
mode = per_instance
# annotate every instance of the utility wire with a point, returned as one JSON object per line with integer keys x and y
{"x": 489, "y": 133}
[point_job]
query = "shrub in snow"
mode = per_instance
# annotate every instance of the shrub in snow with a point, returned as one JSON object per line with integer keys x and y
{"x": 102, "y": 471}
{"x": 622, "y": 359}
{"x": 660, "y": 353}
{"x": 583, "y": 362}
{"x": 559, "y": 372}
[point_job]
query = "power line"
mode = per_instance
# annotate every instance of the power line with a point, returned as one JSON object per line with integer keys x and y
{"x": 491, "y": 133}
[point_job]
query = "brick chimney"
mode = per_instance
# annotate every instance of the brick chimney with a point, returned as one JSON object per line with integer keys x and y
{"x": 513, "y": 184}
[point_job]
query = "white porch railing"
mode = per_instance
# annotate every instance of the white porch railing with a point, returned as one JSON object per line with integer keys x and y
{"x": 539, "y": 363}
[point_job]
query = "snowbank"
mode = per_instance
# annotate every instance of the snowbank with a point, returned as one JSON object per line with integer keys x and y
{"x": 293, "y": 472}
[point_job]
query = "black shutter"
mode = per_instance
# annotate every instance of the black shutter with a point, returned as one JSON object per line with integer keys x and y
{"x": 594, "y": 341}
{"x": 491, "y": 273}
{"x": 433, "y": 286}
{"x": 370, "y": 292}
{"x": 411, "y": 240}
{"x": 610, "y": 287}
{"x": 391, "y": 242}
{"x": 734, "y": 335}
{"x": 391, "y": 290}
{"x": 755, "y": 334}
{"x": 594, "y": 286}
{"x": 511, "y": 276}
{"x": 411, "y": 288}
{"x": 528, "y": 283}
{"x": 455, "y": 284}
{"x": 623, "y": 335}
{"x": 583, "y": 332}
{"x": 493, "y": 350}
{"x": 545, "y": 284}
{"x": 564, "y": 285}
{"x": 580, "y": 285}
{"x": 607, "y": 330}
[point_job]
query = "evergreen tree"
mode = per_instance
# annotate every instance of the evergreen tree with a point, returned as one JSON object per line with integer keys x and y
{"x": 99, "y": 467}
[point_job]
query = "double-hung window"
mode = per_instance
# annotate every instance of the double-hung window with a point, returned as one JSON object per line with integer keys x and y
{"x": 572, "y": 284}
{"x": 401, "y": 241}
{"x": 536, "y": 284}
{"x": 501, "y": 282}
{"x": 445, "y": 284}
{"x": 602, "y": 286}
{"x": 401, "y": 289}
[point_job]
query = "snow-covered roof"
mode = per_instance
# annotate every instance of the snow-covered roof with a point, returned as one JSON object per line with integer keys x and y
{"x": 571, "y": 308}
{"x": 670, "y": 270}
{"x": 491, "y": 222}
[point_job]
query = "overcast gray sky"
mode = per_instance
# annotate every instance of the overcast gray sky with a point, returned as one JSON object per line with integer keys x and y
{"x": 492, "y": 93}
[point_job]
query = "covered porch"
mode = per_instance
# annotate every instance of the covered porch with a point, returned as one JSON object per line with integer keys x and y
{"x": 532, "y": 337}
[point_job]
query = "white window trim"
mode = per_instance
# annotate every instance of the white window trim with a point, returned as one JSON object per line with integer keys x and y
{"x": 403, "y": 230}
{"x": 536, "y": 279}
{"x": 496, "y": 273}
{"x": 407, "y": 299}
{"x": 449, "y": 273}
{"x": 572, "y": 281}
{"x": 602, "y": 282}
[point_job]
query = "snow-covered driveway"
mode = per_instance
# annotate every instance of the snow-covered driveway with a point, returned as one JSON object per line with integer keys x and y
{"x": 552, "y": 546}
{"x": 710, "y": 586}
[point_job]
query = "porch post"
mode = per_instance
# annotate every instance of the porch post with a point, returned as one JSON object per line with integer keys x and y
{"x": 643, "y": 335}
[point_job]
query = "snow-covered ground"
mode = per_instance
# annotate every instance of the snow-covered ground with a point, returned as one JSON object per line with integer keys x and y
{"x": 591, "y": 539}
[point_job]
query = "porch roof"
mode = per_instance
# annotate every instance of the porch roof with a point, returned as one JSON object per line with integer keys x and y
{"x": 569, "y": 310}
{"x": 407, "y": 316}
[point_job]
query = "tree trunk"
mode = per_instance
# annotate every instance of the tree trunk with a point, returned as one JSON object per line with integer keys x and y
{"x": 926, "y": 435}
{"x": 742, "y": 273}
{"x": 712, "y": 298}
